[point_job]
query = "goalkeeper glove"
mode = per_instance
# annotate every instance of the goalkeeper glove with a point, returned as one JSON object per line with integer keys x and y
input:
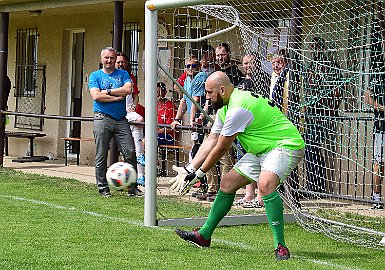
{"x": 190, "y": 180}
{"x": 177, "y": 181}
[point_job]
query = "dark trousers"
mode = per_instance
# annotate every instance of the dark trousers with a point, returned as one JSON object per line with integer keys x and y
{"x": 315, "y": 161}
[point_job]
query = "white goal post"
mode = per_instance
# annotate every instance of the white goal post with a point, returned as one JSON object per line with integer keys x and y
{"x": 151, "y": 51}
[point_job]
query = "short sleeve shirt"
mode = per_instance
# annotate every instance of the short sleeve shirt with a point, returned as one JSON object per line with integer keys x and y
{"x": 195, "y": 88}
{"x": 99, "y": 79}
{"x": 260, "y": 125}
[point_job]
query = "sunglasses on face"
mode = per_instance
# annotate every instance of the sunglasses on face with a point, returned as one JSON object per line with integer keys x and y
{"x": 191, "y": 65}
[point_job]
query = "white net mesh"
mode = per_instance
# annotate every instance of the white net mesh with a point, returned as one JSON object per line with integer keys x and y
{"x": 335, "y": 95}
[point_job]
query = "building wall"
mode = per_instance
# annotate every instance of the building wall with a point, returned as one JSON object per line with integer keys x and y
{"x": 53, "y": 51}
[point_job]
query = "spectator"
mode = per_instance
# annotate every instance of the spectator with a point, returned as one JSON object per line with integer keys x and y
{"x": 279, "y": 84}
{"x": 248, "y": 118}
{"x": 166, "y": 113}
{"x": 375, "y": 97}
{"x": 279, "y": 93}
{"x": 194, "y": 85}
{"x": 322, "y": 99}
{"x": 132, "y": 101}
{"x": 109, "y": 87}
{"x": 207, "y": 60}
{"x": 255, "y": 82}
{"x": 208, "y": 66}
{"x": 228, "y": 66}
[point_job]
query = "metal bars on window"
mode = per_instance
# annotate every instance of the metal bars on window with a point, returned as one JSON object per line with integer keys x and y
{"x": 131, "y": 44}
{"x": 26, "y": 62}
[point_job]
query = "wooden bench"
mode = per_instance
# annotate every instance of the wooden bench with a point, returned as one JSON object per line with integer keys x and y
{"x": 163, "y": 148}
{"x": 27, "y": 135}
{"x": 67, "y": 147}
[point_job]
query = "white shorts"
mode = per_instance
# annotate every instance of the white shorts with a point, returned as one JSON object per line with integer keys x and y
{"x": 132, "y": 116}
{"x": 379, "y": 147}
{"x": 279, "y": 161}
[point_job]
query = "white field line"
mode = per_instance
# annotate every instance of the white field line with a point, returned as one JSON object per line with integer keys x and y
{"x": 137, "y": 223}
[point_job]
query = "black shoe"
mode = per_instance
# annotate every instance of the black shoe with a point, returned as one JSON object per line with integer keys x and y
{"x": 212, "y": 196}
{"x": 134, "y": 192}
{"x": 105, "y": 193}
{"x": 202, "y": 196}
{"x": 193, "y": 237}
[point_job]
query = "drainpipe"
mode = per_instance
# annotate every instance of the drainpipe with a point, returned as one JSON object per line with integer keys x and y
{"x": 117, "y": 45}
{"x": 3, "y": 76}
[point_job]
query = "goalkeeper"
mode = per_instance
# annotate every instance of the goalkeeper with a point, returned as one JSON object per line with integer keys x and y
{"x": 273, "y": 147}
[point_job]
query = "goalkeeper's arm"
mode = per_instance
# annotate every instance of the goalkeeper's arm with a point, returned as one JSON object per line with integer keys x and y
{"x": 215, "y": 153}
{"x": 204, "y": 150}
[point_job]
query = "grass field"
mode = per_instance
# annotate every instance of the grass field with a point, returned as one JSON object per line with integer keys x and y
{"x": 56, "y": 223}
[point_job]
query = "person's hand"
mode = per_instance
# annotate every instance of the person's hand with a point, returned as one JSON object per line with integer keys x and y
{"x": 185, "y": 179}
{"x": 182, "y": 172}
{"x": 175, "y": 123}
{"x": 118, "y": 98}
{"x": 191, "y": 180}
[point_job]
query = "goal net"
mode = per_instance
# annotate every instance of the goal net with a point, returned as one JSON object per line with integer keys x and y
{"x": 332, "y": 89}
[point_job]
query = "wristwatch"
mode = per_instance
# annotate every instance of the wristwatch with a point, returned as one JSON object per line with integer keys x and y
{"x": 109, "y": 92}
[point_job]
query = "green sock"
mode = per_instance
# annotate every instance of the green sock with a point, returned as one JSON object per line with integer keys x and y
{"x": 221, "y": 206}
{"x": 274, "y": 213}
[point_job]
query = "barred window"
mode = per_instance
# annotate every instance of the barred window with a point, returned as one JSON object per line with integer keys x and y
{"x": 131, "y": 44}
{"x": 26, "y": 62}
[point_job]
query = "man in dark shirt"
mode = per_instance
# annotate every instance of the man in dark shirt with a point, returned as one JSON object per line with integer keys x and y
{"x": 228, "y": 66}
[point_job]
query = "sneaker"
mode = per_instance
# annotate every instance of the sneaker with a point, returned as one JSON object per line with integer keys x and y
{"x": 202, "y": 190}
{"x": 251, "y": 204}
{"x": 197, "y": 193}
{"x": 239, "y": 202}
{"x": 202, "y": 196}
{"x": 193, "y": 237}
{"x": 141, "y": 181}
{"x": 212, "y": 196}
{"x": 105, "y": 193}
{"x": 141, "y": 160}
{"x": 377, "y": 206}
{"x": 281, "y": 253}
{"x": 134, "y": 192}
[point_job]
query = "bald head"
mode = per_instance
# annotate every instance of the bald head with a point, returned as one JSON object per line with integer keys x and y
{"x": 218, "y": 89}
{"x": 218, "y": 79}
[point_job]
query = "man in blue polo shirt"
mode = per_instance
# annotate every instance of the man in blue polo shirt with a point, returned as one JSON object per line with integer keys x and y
{"x": 109, "y": 87}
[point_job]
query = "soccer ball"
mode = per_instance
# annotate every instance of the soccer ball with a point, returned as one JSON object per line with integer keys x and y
{"x": 120, "y": 176}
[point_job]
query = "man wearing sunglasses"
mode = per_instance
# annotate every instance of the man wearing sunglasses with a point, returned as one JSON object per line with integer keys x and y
{"x": 194, "y": 85}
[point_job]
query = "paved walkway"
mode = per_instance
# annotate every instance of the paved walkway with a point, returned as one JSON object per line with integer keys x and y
{"x": 54, "y": 168}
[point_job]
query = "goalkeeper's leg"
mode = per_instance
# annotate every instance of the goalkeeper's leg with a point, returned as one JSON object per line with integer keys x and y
{"x": 230, "y": 183}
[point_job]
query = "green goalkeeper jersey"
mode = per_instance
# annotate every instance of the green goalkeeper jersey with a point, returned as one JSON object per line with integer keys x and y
{"x": 260, "y": 124}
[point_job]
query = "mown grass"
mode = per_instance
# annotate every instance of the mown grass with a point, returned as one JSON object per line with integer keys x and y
{"x": 56, "y": 223}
